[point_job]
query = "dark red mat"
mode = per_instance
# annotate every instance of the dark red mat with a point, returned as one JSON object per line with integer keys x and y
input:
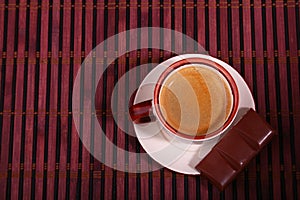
{"x": 42, "y": 45}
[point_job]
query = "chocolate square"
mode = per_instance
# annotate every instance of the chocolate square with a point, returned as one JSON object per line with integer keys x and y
{"x": 214, "y": 167}
{"x": 235, "y": 149}
{"x": 255, "y": 129}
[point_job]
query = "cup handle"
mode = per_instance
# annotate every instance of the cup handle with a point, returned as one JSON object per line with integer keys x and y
{"x": 142, "y": 112}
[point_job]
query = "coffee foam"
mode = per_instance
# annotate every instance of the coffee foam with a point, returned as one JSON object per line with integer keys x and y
{"x": 195, "y": 99}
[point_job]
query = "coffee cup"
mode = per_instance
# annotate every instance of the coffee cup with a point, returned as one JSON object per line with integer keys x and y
{"x": 194, "y": 99}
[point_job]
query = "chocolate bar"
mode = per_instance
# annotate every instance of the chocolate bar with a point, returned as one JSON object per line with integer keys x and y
{"x": 235, "y": 150}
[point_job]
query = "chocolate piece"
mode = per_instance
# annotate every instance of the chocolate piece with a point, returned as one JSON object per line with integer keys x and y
{"x": 235, "y": 150}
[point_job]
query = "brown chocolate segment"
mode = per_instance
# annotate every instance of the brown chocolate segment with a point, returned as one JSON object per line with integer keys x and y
{"x": 217, "y": 176}
{"x": 235, "y": 150}
{"x": 254, "y": 129}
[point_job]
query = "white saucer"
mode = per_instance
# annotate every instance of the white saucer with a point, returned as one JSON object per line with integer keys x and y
{"x": 173, "y": 154}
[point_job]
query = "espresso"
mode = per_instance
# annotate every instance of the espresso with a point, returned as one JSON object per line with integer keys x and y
{"x": 195, "y": 100}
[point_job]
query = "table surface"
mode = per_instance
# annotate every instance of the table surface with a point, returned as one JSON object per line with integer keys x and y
{"x": 42, "y": 46}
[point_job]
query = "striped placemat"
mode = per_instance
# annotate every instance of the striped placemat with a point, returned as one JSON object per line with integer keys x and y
{"x": 42, "y": 45}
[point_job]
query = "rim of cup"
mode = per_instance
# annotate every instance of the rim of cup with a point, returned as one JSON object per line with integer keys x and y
{"x": 192, "y": 61}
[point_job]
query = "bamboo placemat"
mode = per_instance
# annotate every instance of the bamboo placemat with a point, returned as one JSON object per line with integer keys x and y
{"x": 43, "y": 43}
